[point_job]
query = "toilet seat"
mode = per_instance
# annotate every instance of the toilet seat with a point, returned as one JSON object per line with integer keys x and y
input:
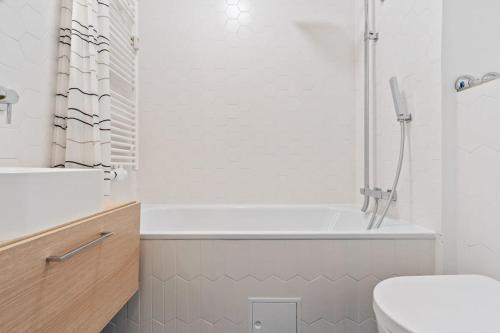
{"x": 438, "y": 304}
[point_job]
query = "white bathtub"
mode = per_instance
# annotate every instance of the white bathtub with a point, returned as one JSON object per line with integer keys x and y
{"x": 269, "y": 222}
{"x": 201, "y": 264}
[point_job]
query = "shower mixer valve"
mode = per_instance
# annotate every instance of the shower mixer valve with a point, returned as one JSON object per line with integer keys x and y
{"x": 378, "y": 193}
{"x": 7, "y": 98}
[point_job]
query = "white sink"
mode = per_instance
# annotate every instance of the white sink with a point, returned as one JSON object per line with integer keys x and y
{"x": 36, "y": 199}
{"x": 438, "y": 304}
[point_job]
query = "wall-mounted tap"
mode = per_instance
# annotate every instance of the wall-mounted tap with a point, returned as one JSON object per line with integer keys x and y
{"x": 8, "y": 97}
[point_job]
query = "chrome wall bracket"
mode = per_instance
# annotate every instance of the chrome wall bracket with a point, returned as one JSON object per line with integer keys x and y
{"x": 405, "y": 117}
{"x": 371, "y": 35}
{"x": 465, "y": 82}
{"x": 378, "y": 193}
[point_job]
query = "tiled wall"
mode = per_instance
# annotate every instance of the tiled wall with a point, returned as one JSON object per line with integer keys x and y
{"x": 28, "y": 39}
{"x": 203, "y": 286}
{"x": 478, "y": 177}
{"x": 28, "y": 63}
{"x": 248, "y": 101}
{"x": 409, "y": 48}
{"x": 470, "y": 125}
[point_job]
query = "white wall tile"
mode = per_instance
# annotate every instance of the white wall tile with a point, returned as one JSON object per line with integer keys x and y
{"x": 236, "y": 302}
{"x": 333, "y": 302}
{"x": 238, "y": 257}
{"x": 158, "y": 297}
{"x": 158, "y": 327}
{"x": 263, "y": 261}
{"x": 213, "y": 259}
{"x": 188, "y": 299}
{"x": 133, "y": 308}
{"x": 409, "y": 48}
{"x": 383, "y": 256}
{"x": 170, "y": 326}
{"x": 29, "y": 39}
{"x": 214, "y": 295}
{"x": 199, "y": 326}
{"x": 10, "y": 23}
{"x": 364, "y": 292}
{"x": 357, "y": 257}
{"x": 146, "y": 303}
{"x": 188, "y": 259}
{"x": 133, "y": 327}
{"x": 164, "y": 260}
{"x": 148, "y": 251}
{"x": 29, "y": 34}
{"x": 287, "y": 266}
{"x": 170, "y": 300}
{"x": 477, "y": 199}
{"x": 225, "y": 326}
{"x": 316, "y": 301}
{"x": 253, "y": 109}
{"x": 120, "y": 322}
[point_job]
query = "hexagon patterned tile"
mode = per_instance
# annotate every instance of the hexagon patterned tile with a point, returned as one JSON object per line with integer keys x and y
{"x": 28, "y": 35}
{"x": 247, "y": 95}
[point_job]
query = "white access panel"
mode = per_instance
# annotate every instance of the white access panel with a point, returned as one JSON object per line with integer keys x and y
{"x": 274, "y": 317}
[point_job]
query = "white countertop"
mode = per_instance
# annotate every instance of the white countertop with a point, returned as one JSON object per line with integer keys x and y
{"x": 36, "y": 199}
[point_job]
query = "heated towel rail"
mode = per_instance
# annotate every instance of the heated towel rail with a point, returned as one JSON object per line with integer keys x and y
{"x": 123, "y": 84}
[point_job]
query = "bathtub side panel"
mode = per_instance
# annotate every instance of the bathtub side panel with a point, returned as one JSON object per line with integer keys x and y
{"x": 204, "y": 285}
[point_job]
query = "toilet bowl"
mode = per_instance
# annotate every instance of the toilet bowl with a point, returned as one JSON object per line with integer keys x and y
{"x": 438, "y": 304}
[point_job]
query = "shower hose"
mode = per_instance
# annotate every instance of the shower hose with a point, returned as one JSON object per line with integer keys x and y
{"x": 377, "y": 225}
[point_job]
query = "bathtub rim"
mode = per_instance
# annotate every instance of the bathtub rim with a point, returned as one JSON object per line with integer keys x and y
{"x": 400, "y": 231}
{"x": 289, "y": 236}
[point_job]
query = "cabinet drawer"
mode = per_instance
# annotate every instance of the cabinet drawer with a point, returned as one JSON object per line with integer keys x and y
{"x": 84, "y": 290}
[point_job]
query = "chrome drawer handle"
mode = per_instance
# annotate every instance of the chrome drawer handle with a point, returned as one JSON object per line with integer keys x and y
{"x": 79, "y": 249}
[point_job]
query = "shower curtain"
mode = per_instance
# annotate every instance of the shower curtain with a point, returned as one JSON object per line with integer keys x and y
{"x": 82, "y": 110}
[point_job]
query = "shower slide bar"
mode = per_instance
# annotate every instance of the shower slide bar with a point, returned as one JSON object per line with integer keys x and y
{"x": 465, "y": 82}
{"x": 370, "y": 38}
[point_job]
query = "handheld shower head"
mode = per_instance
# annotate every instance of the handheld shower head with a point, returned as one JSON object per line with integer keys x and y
{"x": 399, "y": 105}
{"x": 396, "y": 95}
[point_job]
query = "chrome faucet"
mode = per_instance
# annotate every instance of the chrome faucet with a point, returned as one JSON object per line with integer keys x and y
{"x": 8, "y": 97}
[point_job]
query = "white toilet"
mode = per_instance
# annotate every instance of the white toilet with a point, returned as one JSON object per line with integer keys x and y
{"x": 438, "y": 304}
